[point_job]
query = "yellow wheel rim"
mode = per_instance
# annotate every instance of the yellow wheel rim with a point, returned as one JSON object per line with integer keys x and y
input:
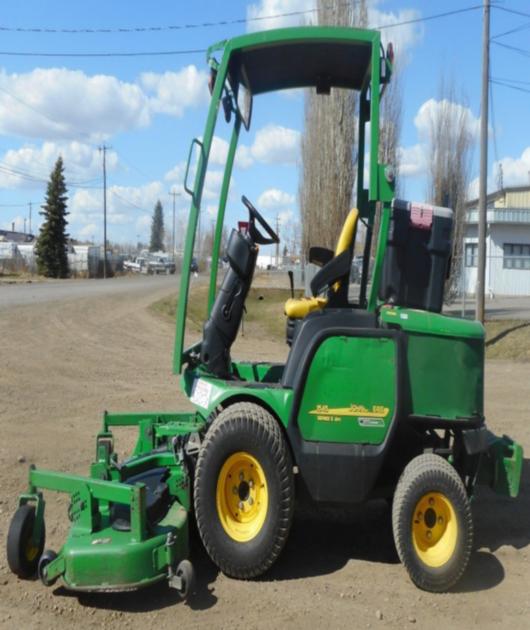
{"x": 30, "y": 551}
{"x": 434, "y": 529}
{"x": 242, "y": 496}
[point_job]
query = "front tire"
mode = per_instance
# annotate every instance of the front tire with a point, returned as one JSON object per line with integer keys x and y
{"x": 432, "y": 523}
{"x": 22, "y": 555}
{"x": 244, "y": 491}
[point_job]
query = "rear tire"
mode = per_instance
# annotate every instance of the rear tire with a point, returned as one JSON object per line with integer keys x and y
{"x": 244, "y": 491}
{"x": 22, "y": 555}
{"x": 432, "y": 523}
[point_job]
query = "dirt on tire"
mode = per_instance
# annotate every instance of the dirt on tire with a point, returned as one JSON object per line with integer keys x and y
{"x": 64, "y": 362}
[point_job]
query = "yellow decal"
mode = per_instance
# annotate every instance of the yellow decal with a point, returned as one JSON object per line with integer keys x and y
{"x": 334, "y": 414}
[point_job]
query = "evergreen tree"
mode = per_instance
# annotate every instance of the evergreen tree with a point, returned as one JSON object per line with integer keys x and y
{"x": 52, "y": 243}
{"x": 157, "y": 229}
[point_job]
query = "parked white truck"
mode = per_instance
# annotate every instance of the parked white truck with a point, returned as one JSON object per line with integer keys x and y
{"x": 150, "y": 263}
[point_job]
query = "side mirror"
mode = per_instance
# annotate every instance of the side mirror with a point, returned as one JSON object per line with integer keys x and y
{"x": 244, "y": 104}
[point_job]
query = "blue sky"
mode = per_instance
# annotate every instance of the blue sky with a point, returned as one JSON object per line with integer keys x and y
{"x": 147, "y": 109}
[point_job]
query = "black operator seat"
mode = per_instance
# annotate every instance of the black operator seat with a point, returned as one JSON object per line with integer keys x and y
{"x": 334, "y": 274}
{"x": 220, "y": 330}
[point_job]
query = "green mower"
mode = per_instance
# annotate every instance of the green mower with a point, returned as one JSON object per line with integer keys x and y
{"x": 381, "y": 396}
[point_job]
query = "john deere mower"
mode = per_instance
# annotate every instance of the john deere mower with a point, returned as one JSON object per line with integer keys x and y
{"x": 380, "y": 397}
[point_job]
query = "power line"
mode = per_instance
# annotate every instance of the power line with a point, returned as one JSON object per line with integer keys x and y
{"x": 157, "y": 53}
{"x": 40, "y": 179}
{"x": 512, "y": 87}
{"x": 517, "y": 29}
{"x": 510, "y": 80}
{"x": 191, "y": 51}
{"x": 521, "y": 51}
{"x": 513, "y": 11}
{"x": 127, "y": 201}
{"x": 158, "y": 29}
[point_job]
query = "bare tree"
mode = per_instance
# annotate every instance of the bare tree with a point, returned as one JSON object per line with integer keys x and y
{"x": 390, "y": 124}
{"x": 389, "y": 137}
{"x": 449, "y": 160}
{"x": 329, "y": 145}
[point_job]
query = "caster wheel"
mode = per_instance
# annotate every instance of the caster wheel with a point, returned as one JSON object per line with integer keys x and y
{"x": 47, "y": 557}
{"x": 22, "y": 554}
{"x": 186, "y": 574}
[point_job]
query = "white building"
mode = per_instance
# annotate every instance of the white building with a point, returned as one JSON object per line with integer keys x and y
{"x": 507, "y": 243}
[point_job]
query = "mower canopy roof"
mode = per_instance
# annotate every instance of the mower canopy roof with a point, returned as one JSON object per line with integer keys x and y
{"x": 320, "y": 57}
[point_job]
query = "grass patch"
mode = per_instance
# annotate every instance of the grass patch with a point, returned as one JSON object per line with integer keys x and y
{"x": 508, "y": 339}
{"x": 264, "y": 314}
{"x": 265, "y": 319}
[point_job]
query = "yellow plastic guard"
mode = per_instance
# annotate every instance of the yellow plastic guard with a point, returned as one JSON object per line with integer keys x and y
{"x": 299, "y": 308}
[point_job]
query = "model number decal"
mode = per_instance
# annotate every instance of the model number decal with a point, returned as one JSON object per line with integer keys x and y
{"x": 365, "y": 417}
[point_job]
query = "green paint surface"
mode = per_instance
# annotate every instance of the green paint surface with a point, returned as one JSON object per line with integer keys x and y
{"x": 349, "y": 395}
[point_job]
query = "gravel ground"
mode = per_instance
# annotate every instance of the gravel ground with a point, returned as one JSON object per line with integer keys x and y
{"x": 66, "y": 359}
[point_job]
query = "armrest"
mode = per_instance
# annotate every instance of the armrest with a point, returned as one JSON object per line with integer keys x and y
{"x": 336, "y": 269}
{"x": 320, "y": 255}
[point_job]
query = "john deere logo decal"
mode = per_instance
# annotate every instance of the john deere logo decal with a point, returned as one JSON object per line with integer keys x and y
{"x": 373, "y": 417}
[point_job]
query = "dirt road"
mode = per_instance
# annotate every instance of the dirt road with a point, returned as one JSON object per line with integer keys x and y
{"x": 63, "y": 362}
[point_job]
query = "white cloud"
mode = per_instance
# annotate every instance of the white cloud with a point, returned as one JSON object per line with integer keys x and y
{"x": 174, "y": 92}
{"x": 265, "y": 8}
{"x": 59, "y": 103}
{"x": 432, "y": 108}
{"x": 515, "y": 171}
{"x": 403, "y": 37}
{"x": 243, "y": 156}
{"x": 123, "y": 203}
{"x": 412, "y": 160}
{"x": 212, "y": 183}
{"x": 218, "y": 151}
{"x": 276, "y": 145}
{"x": 273, "y": 198}
{"x": 89, "y": 231}
{"x": 176, "y": 174}
{"x": 82, "y": 164}
{"x": 143, "y": 222}
{"x": 18, "y": 221}
{"x": 297, "y": 12}
{"x": 472, "y": 191}
{"x": 285, "y": 217}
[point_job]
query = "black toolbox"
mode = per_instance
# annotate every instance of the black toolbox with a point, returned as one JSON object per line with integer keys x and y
{"x": 417, "y": 255}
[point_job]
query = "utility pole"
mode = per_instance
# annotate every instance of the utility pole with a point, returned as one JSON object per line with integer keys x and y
{"x": 30, "y": 208}
{"x": 483, "y": 181}
{"x": 174, "y": 195}
{"x": 103, "y": 149}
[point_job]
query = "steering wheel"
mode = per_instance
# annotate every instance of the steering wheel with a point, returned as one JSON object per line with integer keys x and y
{"x": 256, "y": 235}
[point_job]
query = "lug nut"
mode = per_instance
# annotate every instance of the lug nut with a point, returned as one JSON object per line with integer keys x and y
{"x": 440, "y": 519}
{"x": 235, "y": 490}
{"x": 240, "y": 504}
{"x": 250, "y": 483}
{"x": 241, "y": 476}
{"x": 250, "y": 500}
{"x": 429, "y": 534}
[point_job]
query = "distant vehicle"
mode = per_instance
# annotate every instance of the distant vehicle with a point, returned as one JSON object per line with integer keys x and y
{"x": 194, "y": 267}
{"x": 150, "y": 264}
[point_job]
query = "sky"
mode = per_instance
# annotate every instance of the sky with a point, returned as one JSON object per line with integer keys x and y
{"x": 146, "y": 109}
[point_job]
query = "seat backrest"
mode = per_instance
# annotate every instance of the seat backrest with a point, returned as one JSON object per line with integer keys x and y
{"x": 336, "y": 272}
{"x": 346, "y": 240}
